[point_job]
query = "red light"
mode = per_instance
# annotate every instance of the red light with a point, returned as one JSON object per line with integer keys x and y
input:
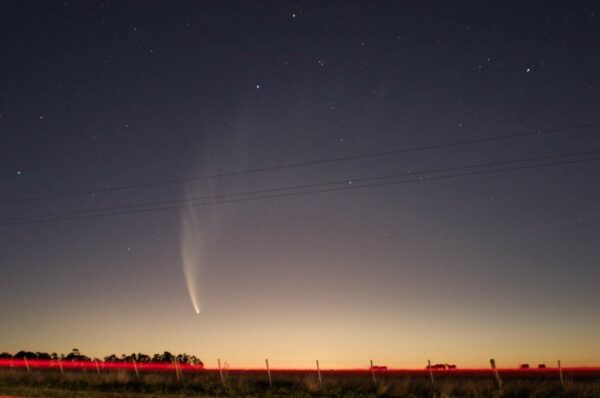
{"x": 170, "y": 367}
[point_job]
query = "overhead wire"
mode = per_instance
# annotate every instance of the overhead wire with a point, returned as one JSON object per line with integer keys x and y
{"x": 300, "y": 193}
{"x": 301, "y": 187}
{"x": 109, "y": 189}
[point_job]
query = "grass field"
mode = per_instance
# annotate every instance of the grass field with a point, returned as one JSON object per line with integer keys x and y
{"x": 415, "y": 384}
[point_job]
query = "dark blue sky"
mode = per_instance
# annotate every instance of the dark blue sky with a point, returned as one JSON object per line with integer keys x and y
{"x": 97, "y": 95}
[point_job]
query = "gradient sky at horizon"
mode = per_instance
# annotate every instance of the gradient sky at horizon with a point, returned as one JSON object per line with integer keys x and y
{"x": 100, "y": 94}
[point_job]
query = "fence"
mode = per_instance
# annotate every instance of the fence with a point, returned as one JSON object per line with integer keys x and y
{"x": 431, "y": 372}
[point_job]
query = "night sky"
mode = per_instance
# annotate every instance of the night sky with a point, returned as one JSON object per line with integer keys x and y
{"x": 99, "y": 97}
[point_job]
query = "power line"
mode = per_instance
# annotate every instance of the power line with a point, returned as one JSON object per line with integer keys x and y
{"x": 301, "y": 187}
{"x": 306, "y": 163}
{"x": 293, "y": 194}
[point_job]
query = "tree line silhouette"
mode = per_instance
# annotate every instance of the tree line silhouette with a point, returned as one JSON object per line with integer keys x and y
{"x": 76, "y": 355}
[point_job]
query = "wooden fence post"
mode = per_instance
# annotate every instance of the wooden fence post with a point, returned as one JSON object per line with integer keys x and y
{"x": 137, "y": 373}
{"x": 27, "y": 365}
{"x": 176, "y": 369}
{"x": 430, "y": 370}
{"x": 319, "y": 374}
{"x": 221, "y": 373}
{"x": 560, "y": 374}
{"x": 373, "y": 373}
{"x": 269, "y": 373}
{"x": 62, "y": 371}
{"x": 496, "y": 374}
{"x": 97, "y": 367}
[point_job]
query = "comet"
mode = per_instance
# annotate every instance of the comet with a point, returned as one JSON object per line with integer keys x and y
{"x": 191, "y": 253}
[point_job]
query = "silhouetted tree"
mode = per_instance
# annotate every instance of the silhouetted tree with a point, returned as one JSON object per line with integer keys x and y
{"x": 167, "y": 357}
{"x": 24, "y": 354}
{"x": 195, "y": 361}
{"x": 42, "y": 355}
{"x": 75, "y": 355}
{"x": 143, "y": 358}
{"x": 182, "y": 358}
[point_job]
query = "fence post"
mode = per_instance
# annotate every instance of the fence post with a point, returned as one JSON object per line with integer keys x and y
{"x": 373, "y": 372}
{"x": 137, "y": 373}
{"x": 319, "y": 374}
{"x": 496, "y": 374}
{"x": 221, "y": 373}
{"x": 62, "y": 371}
{"x": 179, "y": 369}
{"x": 560, "y": 374}
{"x": 97, "y": 367}
{"x": 176, "y": 369}
{"x": 27, "y": 365}
{"x": 430, "y": 370}
{"x": 269, "y": 373}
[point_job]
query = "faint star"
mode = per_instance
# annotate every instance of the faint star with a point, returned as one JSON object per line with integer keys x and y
{"x": 41, "y": 117}
{"x": 528, "y": 70}
{"x": 258, "y": 86}
{"x": 19, "y": 172}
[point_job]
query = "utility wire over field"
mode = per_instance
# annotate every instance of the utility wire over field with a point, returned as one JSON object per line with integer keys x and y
{"x": 354, "y": 184}
{"x": 532, "y": 133}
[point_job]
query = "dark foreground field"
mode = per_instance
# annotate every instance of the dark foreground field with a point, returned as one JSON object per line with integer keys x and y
{"x": 121, "y": 384}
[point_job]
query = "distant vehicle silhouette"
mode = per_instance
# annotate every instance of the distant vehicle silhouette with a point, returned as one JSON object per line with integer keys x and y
{"x": 376, "y": 367}
{"x": 541, "y": 366}
{"x": 524, "y": 366}
{"x": 438, "y": 366}
{"x": 441, "y": 366}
